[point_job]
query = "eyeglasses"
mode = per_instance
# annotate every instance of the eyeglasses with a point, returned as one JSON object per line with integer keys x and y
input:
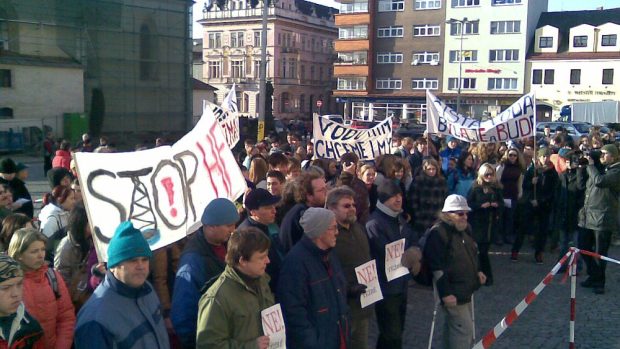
{"x": 513, "y": 155}
{"x": 460, "y": 213}
{"x": 489, "y": 174}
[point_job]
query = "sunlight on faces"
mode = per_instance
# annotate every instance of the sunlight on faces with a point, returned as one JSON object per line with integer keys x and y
{"x": 264, "y": 214}
{"x": 345, "y": 211}
{"x": 327, "y": 240}
{"x": 218, "y": 234}
{"x": 368, "y": 177}
{"x": 395, "y": 203}
{"x": 255, "y": 267}
{"x": 11, "y": 295}
{"x": 319, "y": 193}
{"x": 274, "y": 186}
{"x": 34, "y": 256}
{"x": 132, "y": 272}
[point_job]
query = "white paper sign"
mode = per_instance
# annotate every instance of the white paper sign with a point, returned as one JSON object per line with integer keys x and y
{"x": 332, "y": 139}
{"x": 393, "y": 254}
{"x": 367, "y": 275}
{"x": 162, "y": 191}
{"x": 507, "y": 203}
{"x": 518, "y": 121}
{"x": 273, "y": 326}
{"x": 227, "y": 116}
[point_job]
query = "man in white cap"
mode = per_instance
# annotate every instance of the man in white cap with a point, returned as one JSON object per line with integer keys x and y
{"x": 452, "y": 257}
{"x": 312, "y": 286}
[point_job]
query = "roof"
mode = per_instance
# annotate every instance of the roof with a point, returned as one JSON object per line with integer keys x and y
{"x": 199, "y": 85}
{"x": 566, "y": 20}
{"x": 322, "y": 11}
{"x": 9, "y": 57}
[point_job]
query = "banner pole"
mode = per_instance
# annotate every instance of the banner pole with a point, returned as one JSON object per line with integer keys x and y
{"x": 573, "y": 301}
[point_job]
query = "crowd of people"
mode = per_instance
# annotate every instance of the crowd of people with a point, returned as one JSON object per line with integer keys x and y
{"x": 295, "y": 238}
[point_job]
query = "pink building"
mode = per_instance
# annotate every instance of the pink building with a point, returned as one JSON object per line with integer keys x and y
{"x": 299, "y": 55}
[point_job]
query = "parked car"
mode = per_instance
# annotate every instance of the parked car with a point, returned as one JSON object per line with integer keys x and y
{"x": 411, "y": 129}
{"x": 574, "y": 129}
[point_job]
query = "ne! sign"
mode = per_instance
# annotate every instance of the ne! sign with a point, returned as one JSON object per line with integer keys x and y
{"x": 163, "y": 191}
{"x": 393, "y": 253}
{"x": 333, "y": 139}
{"x": 273, "y": 326}
{"x": 367, "y": 275}
{"x": 518, "y": 121}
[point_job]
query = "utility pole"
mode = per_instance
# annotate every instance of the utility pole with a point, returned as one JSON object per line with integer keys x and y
{"x": 263, "y": 74}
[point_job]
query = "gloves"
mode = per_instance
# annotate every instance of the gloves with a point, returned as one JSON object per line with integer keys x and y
{"x": 411, "y": 259}
{"x": 356, "y": 290}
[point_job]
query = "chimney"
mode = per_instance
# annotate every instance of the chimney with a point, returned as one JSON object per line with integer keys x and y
{"x": 600, "y": 8}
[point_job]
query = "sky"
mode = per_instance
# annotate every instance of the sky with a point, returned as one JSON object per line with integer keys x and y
{"x": 554, "y": 5}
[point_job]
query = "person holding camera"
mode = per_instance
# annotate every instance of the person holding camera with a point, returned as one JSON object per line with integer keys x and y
{"x": 599, "y": 215}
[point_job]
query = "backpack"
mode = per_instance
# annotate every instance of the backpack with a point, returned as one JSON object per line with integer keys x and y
{"x": 425, "y": 276}
{"x": 51, "y": 277}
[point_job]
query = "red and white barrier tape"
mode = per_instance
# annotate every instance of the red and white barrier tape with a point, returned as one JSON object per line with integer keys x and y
{"x": 513, "y": 315}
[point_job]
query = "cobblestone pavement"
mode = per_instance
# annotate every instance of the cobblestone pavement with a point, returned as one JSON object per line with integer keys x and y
{"x": 545, "y": 322}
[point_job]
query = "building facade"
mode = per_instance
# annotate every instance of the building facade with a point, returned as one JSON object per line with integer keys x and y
{"x": 574, "y": 58}
{"x": 299, "y": 55}
{"x": 391, "y": 51}
{"x": 125, "y": 61}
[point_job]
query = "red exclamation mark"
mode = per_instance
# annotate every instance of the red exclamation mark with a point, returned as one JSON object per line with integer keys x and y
{"x": 168, "y": 185}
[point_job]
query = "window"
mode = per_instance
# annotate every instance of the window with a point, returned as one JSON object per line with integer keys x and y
{"x": 6, "y": 113}
{"x": 389, "y": 58}
{"x": 465, "y": 3}
{"x": 320, "y": 73}
{"x": 214, "y": 69}
{"x": 575, "y": 76}
{"x": 285, "y": 100}
{"x": 257, "y": 39}
{"x": 391, "y": 5}
{"x": 302, "y": 102}
{"x": 503, "y": 55}
{"x": 545, "y": 41}
{"x": 236, "y": 39}
{"x": 426, "y": 30}
{"x": 389, "y": 84}
{"x": 468, "y": 56}
{"x": 609, "y": 40}
{"x": 354, "y": 7}
{"x": 466, "y": 83}
{"x": 505, "y": 27}
{"x": 549, "y": 76}
{"x": 537, "y": 76}
{"x": 302, "y": 72}
{"x": 284, "y": 72}
{"x": 312, "y": 72}
{"x": 215, "y": 40}
{"x": 357, "y": 83}
{"x": 257, "y": 68}
{"x": 470, "y": 28}
{"x": 358, "y": 57}
{"x": 506, "y": 2}
{"x": 5, "y": 78}
{"x": 237, "y": 69}
{"x": 390, "y": 32}
{"x": 608, "y": 76}
{"x": 292, "y": 68}
{"x": 424, "y": 84}
{"x": 356, "y": 32}
{"x": 148, "y": 54}
{"x": 580, "y": 41}
{"x": 426, "y": 57}
{"x": 427, "y": 4}
{"x": 502, "y": 84}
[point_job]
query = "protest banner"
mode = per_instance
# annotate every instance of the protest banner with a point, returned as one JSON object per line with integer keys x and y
{"x": 333, "y": 139}
{"x": 273, "y": 326}
{"x": 163, "y": 191}
{"x": 393, "y": 254}
{"x": 518, "y": 121}
{"x": 227, "y": 116}
{"x": 367, "y": 275}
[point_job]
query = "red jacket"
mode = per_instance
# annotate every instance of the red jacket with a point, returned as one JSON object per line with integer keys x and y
{"x": 56, "y": 316}
{"x": 62, "y": 159}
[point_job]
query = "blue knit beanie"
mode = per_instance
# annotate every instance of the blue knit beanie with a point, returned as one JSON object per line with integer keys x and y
{"x": 127, "y": 243}
{"x": 220, "y": 211}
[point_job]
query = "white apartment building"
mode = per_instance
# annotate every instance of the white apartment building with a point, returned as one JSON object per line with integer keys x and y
{"x": 575, "y": 58}
{"x": 495, "y": 36}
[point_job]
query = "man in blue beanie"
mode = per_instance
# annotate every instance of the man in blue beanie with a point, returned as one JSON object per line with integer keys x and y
{"x": 203, "y": 260}
{"x": 124, "y": 310}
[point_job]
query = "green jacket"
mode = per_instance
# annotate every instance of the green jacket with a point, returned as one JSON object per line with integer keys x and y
{"x": 600, "y": 207}
{"x": 229, "y": 312}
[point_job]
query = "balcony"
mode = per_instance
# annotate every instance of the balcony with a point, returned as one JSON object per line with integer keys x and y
{"x": 351, "y": 45}
{"x": 351, "y": 70}
{"x": 348, "y": 19}
{"x": 289, "y": 50}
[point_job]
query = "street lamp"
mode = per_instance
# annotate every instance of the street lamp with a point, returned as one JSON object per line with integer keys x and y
{"x": 462, "y": 23}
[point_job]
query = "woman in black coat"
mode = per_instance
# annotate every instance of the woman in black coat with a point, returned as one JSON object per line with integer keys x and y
{"x": 486, "y": 201}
